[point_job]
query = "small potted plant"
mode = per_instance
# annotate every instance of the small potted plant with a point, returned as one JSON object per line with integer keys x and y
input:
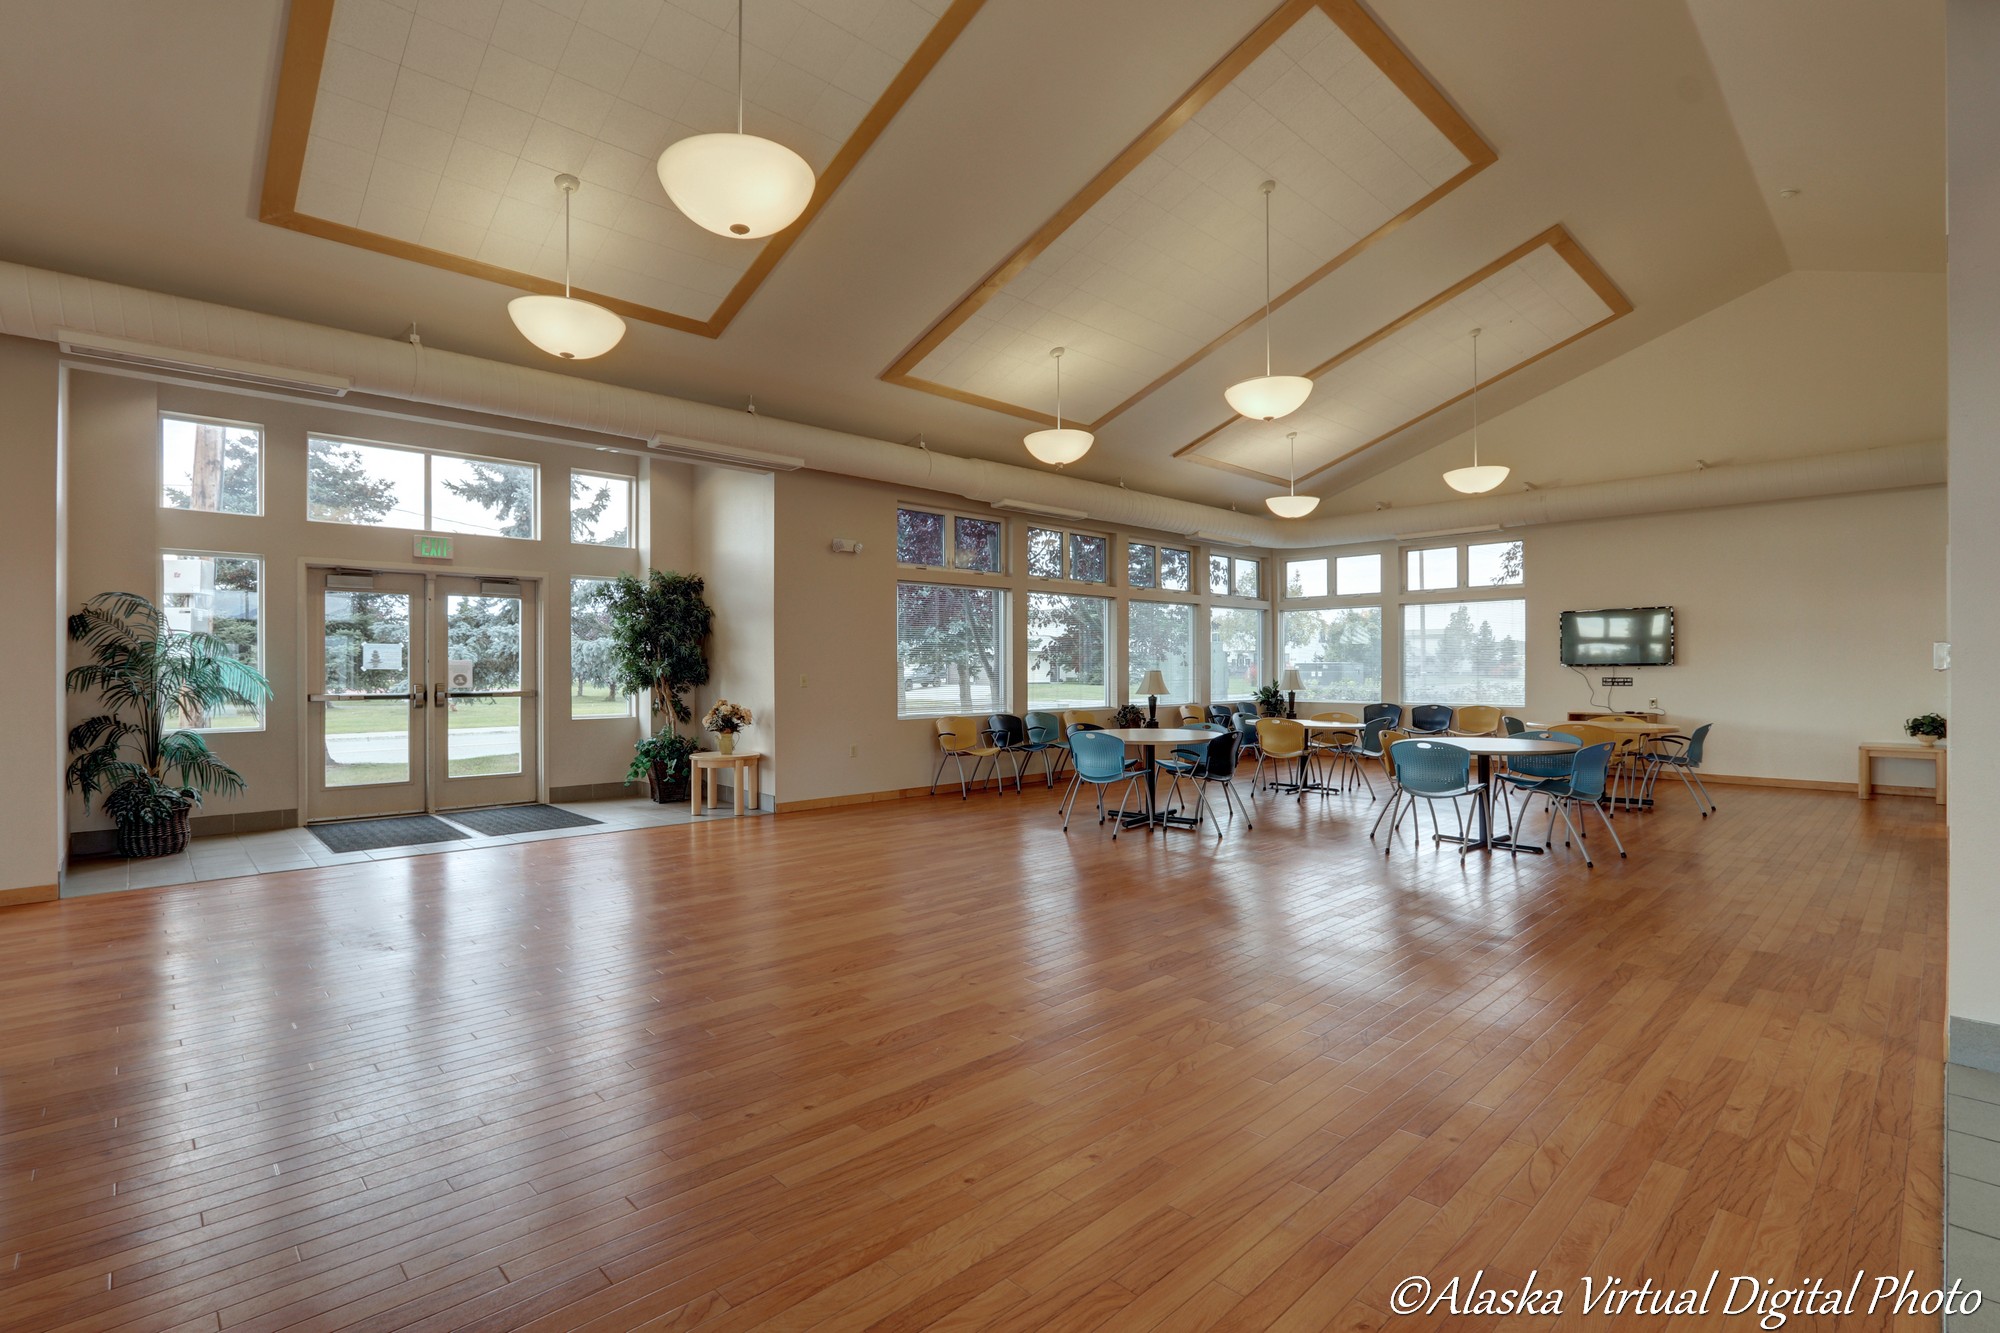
{"x": 141, "y": 753}
{"x": 1270, "y": 700}
{"x": 1927, "y": 728}
{"x": 725, "y": 719}
{"x": 1128, "y": 715}
{"x": 662, "y": 760}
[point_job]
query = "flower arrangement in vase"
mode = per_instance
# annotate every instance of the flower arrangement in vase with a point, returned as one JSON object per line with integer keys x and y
{"x": 725, "y": 719}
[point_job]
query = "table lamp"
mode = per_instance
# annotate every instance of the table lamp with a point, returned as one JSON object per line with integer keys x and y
{"x": 1291, "y": 684}
{"x": 1153, "y": 686}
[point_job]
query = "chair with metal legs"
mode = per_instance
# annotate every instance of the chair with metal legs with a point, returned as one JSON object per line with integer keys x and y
{"x": 1435, "y": 771}
{"x": 1430, "y": 719}
{"x": 1355, "y": 755}
{"x": 1392, "y": 713}
{"x": 1045, "y": 738}
{"x": 1010, "y": 734}
{"x": 1100, "y": 762}
{"x": 1681, "y": 754}
{"x": 1213, "y": 764}
{"x": 1589, "y": 771}
{"x": 1393, "y": 812}
{"x": 961, "y": 738}
{"x": 1282, "y": 740}
{"x": 1527, "y": 772}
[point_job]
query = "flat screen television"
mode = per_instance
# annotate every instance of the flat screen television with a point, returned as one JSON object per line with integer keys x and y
{"x": 1626, "y": 636}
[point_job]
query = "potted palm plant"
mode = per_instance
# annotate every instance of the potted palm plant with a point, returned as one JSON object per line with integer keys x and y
{"x": 658, "y": 627}
{"x": 139, "y": 754}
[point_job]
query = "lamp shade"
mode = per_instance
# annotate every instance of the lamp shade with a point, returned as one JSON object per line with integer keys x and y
{"x": 1057, "y": 447}
{"x": 1292, "y": 506}
{"x": 1475, "y": 480}
{"x": 1154, "y": 683}
{"x": 566, "y": 327}
{"x": 736, "y": 184}
{"x": 1290, "y": 682}
{"x": 1269, "y": 397}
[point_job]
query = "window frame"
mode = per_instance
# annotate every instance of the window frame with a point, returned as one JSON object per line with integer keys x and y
{"x": 1325, "y": 606}
{"x": 1264, "y": 623}
{"x": 427, "y": 454}
{"x": 263, "y": 639}
{"x": 951, "y": 517}
{"x": 1457, "y": 584}
{"x": 164, "y": 415}
{"x": 631, "y": 541}
{"x": 1003, "y": 636}
{"x": 1455, "y": 597}
{"x": 1194, "y": 648}
{"x": 1325, "y": 562}
{"x": 1108, "y": 649}
{"x": 1068, "y": 575}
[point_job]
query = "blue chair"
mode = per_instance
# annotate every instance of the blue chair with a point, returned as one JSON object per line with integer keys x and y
{"x": 1392, "y": 713}
{"x": 1430, "y": 718}
{"x": 1590, "y": 769}
{"x": 1246, "y": 744}
{"x": 1511, "y": 725}
{"x": 1206, "y": 766}
{"x": 1526, "y": 772}
{"x": 1045, "y": 738}
{"x": 1353, "y": 755}
{"x": 1434, "y": 771}
{"x": 1222, "y": 714}
{"x": 1685, "y": 762}
{"x": 1009, "y": 735}
{"x": 1100, "y": 761}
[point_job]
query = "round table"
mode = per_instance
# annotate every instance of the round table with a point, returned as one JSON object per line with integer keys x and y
{"x": 1312, "y": 724}
{"x": 1149, "y": 740}
{"x": 1485, "y": 748}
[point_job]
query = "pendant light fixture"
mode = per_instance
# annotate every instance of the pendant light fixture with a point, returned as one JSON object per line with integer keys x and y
{"x": 1269, "y": 396}
{"x": 737, "y": 184}
{"x": 1291, "y": 504}
{"x": 1059, "y": 446}
{"x": 562, "y": 325}
{"x": 1475, "y": 480}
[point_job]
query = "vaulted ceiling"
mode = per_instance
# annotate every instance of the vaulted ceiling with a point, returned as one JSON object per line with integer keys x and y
{"x": 999, "y": 178}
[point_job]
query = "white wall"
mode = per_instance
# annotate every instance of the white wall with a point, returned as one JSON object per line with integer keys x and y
{"x": 733, "y": 517}
{"x": 1974, "y": 80}
{"x": 32, "y": 650}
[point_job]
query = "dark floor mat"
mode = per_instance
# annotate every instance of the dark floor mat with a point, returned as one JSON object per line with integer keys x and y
{"x": 372, "y": 835}
{"x": 499, "y": 820}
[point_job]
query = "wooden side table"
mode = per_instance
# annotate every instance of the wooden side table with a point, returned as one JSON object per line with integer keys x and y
{"x": 706, "y": 789}
{"x": 1898, "y": 750}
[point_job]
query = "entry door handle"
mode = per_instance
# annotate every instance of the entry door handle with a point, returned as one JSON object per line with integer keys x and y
{"x": 438, "y": 694}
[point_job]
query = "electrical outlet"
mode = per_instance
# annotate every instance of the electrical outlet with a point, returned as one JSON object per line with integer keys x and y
{"x": 1613, "y": 682}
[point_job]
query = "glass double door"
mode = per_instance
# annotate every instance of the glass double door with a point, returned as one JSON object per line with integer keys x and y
{"x": 422, "y": 693}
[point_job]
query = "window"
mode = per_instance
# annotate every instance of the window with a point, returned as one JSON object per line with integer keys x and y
{"x": 382, "y": 486}
{"x": 1357, "y": 575}
{"x": 1490, "y": 564}
{"x": 1080, "y": 556}
{"x": 1235, "y": 652}
{"x": 591, "y": 693}
{"x": 1465, "y": 653}
{"x": 1069, "y": 651}
{"x": 948, "y": 650}
{"x": 1218, "y": 575}
{"x": 600, "y": 509}
{"x": 1176, "y": 566}
{"x": 215, "y": 467}
{"x": 1246, "y": 577}
{"x": 976, "y": 543}
{"x": 1338, "y": 652}
{"x": 1045, "y": 553}
{"x": 219, "y": 595}
{"x": 1430, "y": 570}
{"x": 1089, "y": 558}
{"x": 1162, "y": 638}
{"x": 1139, "y": 565}
{"x": 1305, "y": 578}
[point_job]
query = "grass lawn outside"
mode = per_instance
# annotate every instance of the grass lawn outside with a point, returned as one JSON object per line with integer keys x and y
{"x": 368, "y": 775}
{"x": 348, "y": 717}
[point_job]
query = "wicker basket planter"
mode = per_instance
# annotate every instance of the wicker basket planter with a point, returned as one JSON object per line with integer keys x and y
{"x": 138, "y": 840}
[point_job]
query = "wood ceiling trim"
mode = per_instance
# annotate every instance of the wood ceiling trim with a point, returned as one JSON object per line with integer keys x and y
{"x": 1373, "y": 41}
{"x": 306, "y": 35}
{"x": 1556, "y": 238}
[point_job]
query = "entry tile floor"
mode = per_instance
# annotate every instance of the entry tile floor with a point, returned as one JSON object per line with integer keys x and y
{"x": 297, "y": 849}
{"x": 1972, "y": 1191}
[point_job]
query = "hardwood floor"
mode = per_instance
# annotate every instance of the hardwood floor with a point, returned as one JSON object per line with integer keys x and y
{"x": 931, "y": 1064}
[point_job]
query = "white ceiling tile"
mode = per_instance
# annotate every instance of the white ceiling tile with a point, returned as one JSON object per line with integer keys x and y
{"x": 533, "y": 31}
{"x": 428, "y": 101}
{"x": 415, "y": 145}
{"x": 336, "y": 164}
{"x": 451, "y": 235}
{"x": 346, "y": 121}
{"x": 554, "y": 148}
{"x": 634, "y": 129}
{"x": 575, "y": 105}
{"x": 354, "y": 73}
{"x": 323, "y": 199}
{"x": 525, "y": 219}
{"x": 374, "y": 26}
{"x": 464, "y": 202}
{"x": 402, "y": 185}
{"x": 474, "y": 18}
{"x": 396, "y": 221}
{"x": 614, "y": 169}
{"x": 627, "y": 22}
{"x": 512, "y": 80}
{"x": 596, "y": 60}
{"x": 443, "y": 53}
{"x": 492, "y": 125}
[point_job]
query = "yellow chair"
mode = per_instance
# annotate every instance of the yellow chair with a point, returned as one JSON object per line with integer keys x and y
{"x": 1280, "y": 739}
{"x": 1090, "y": 717}
{"x": 1193, "y": 713}
{"x": 1388, "y": 742}
{"x": 1330, "y": 740}
{"x": 961, "y": 738}
{"x": 1474, "y": 720}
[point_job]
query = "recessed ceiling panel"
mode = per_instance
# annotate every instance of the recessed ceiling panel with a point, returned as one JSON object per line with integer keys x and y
{"x": 434, "y": 130}
{"x": 1161, "y": 257}
{"x": 1526, "y": 304}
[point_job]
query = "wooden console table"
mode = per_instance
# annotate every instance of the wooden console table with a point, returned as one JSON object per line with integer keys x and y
{"x": 1898, "y": 750}
{"x": 707, "y": 789}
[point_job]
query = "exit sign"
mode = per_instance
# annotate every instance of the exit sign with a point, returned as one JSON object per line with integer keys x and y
{"x": 433, "y": 548}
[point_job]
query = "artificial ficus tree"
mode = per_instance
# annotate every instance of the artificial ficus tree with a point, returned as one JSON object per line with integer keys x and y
{"x": 659, "y": 626}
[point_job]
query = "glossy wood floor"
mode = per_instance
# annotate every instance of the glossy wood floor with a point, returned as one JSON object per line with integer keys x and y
{"x": 931, "y": 1064}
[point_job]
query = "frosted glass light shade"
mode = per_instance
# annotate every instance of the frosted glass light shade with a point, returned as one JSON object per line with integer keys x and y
{"x": 1154, "y": 683}
{"x": 736, "y": 184}
{"x": 566, "y": 327}
{"x": 1475, "y": 480}
{"x": 1292, "y": 506}
{"x": 1057, "y": 447}
{"x": 1269, "y": 397}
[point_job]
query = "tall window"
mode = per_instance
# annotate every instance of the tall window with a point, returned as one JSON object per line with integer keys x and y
{"x": 382, "y": 486}
{"x": 1069, "y": 651}
{"x": 949, "y": 650}
{"x": 1338, "y": 651}
{"x": 1465, "y": 653}
{"x": 1305, "y": 578}
{"x": 949, "y": 541}
{"x": 1161, "y": 636}
{"x": 1235, "y": 652}
{"x": 591, "y": 692}
{"x": 600, "y": 509}
{"x": 212, "y": 466}
{"x": 219, "y": 595}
